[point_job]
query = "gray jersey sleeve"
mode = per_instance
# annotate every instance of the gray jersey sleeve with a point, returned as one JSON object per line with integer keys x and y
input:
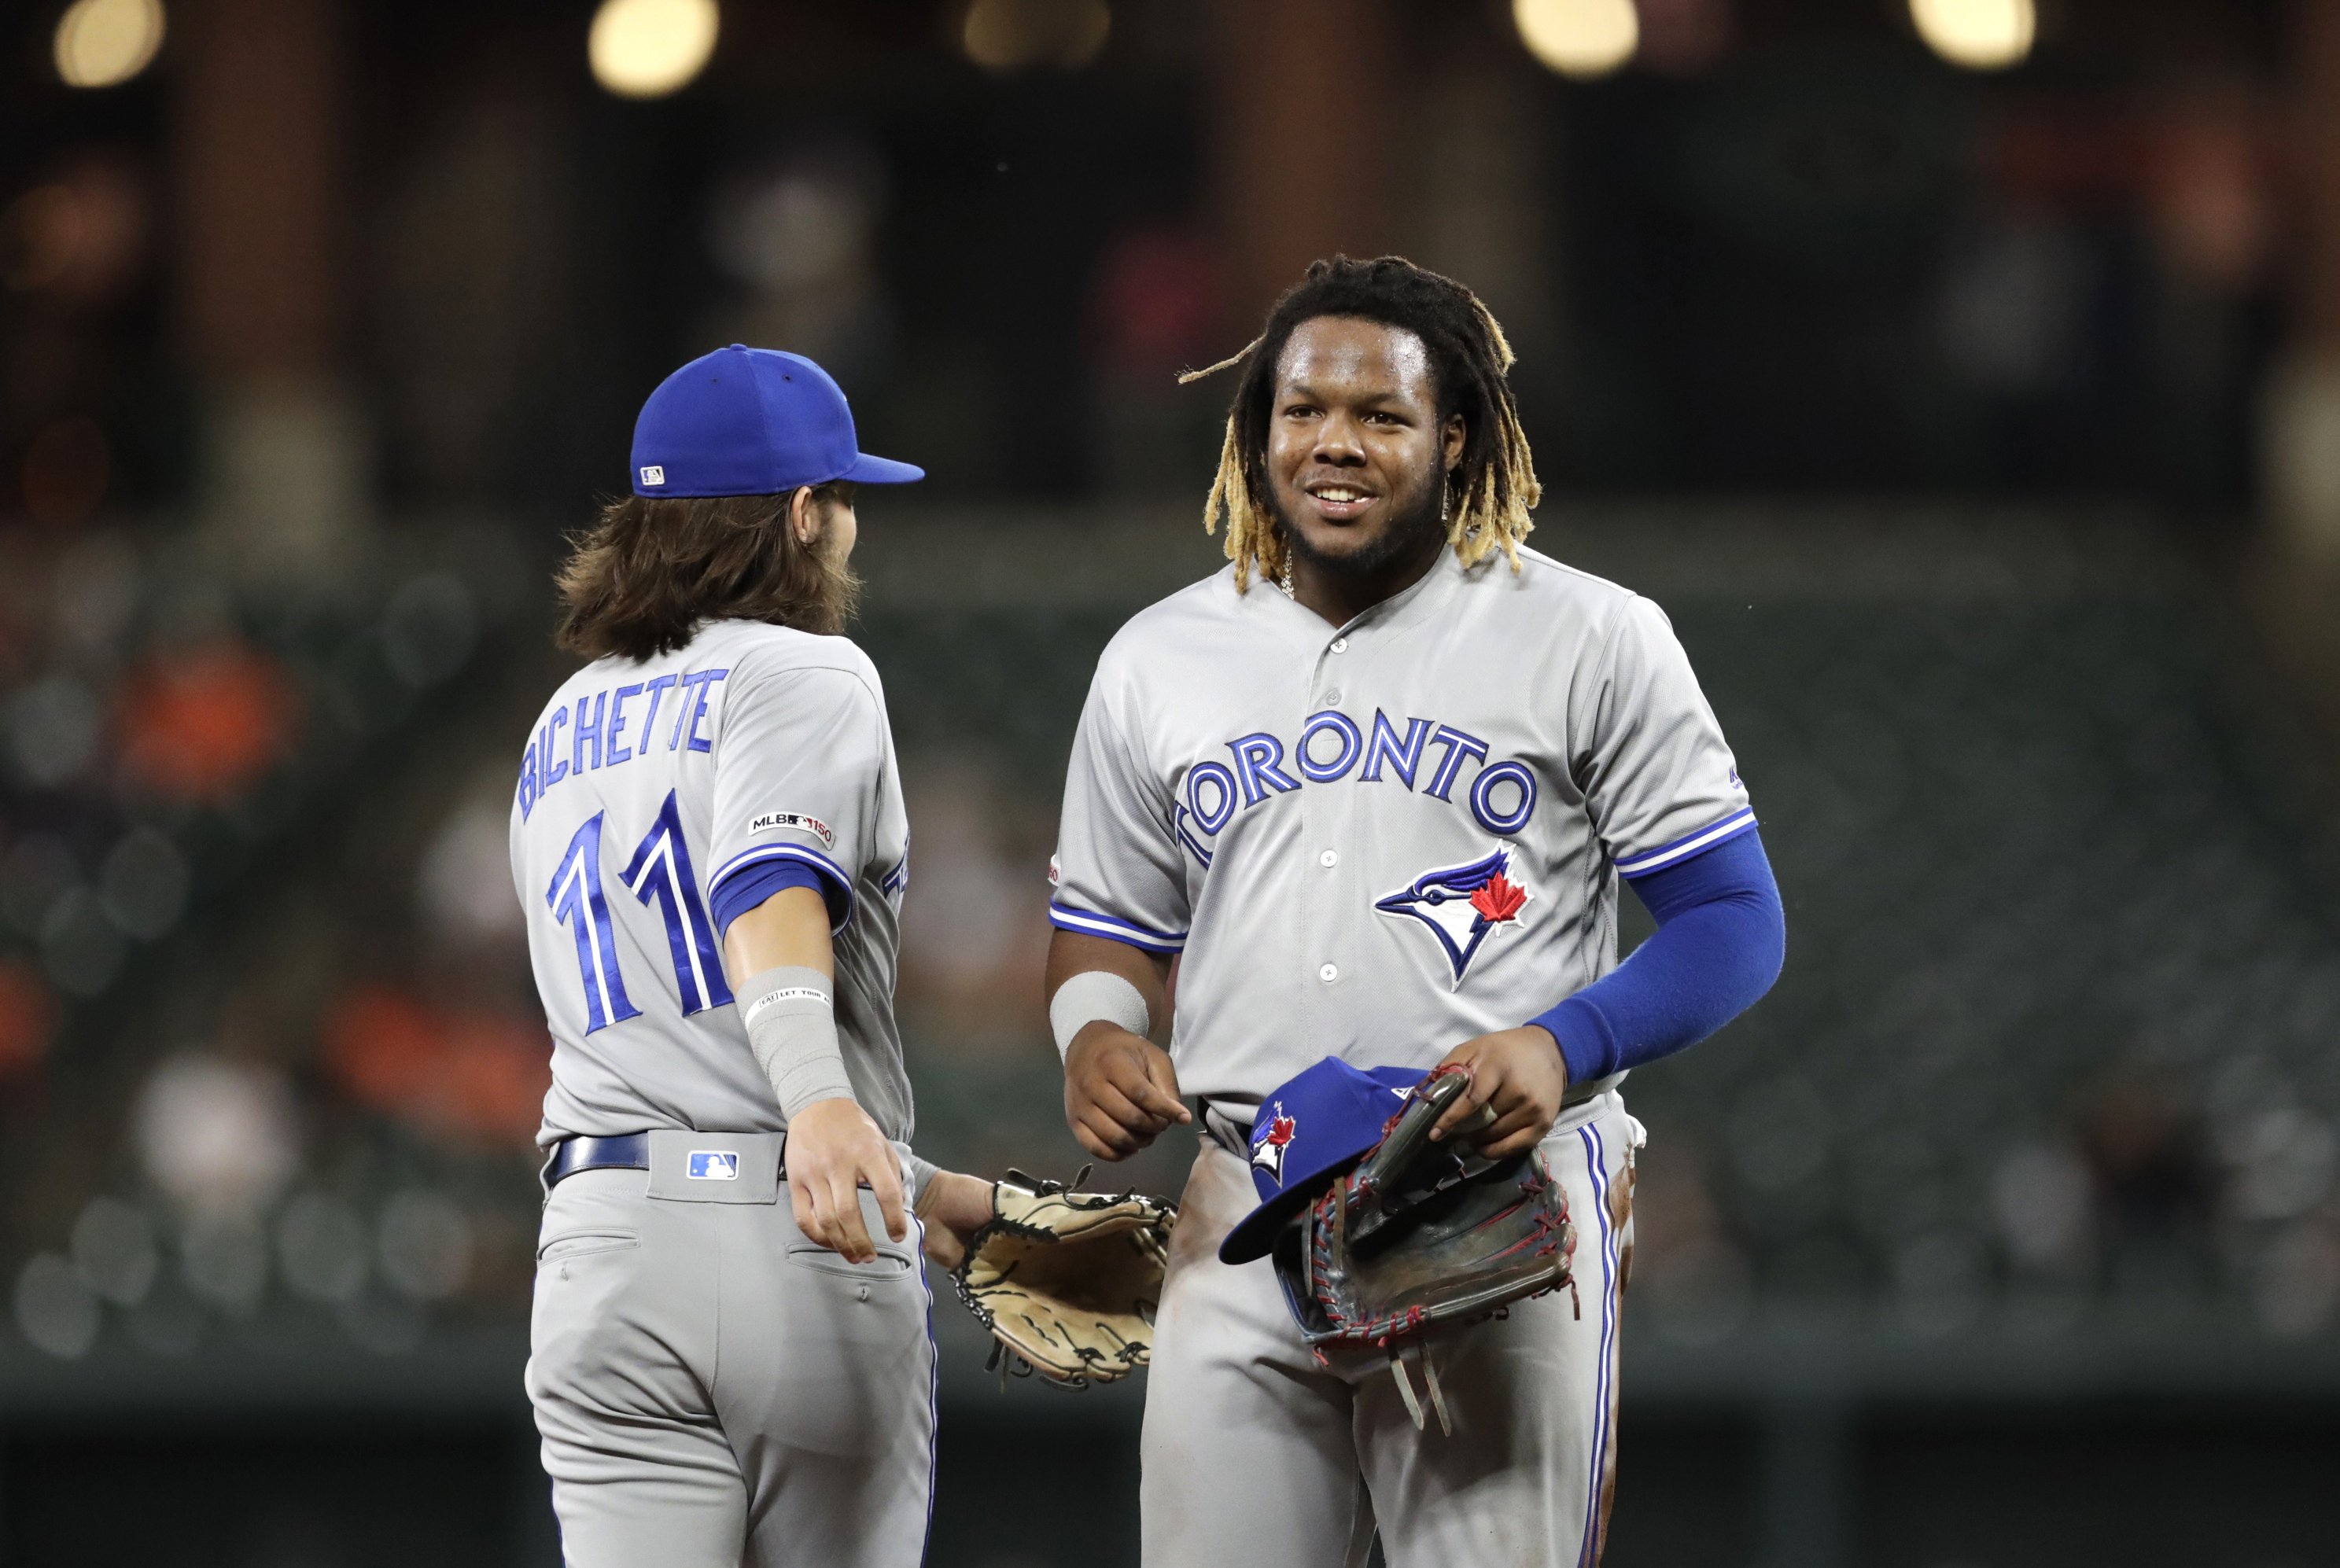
{"x": 1659, "y": 779}
{"x": 1117, "y": 869}
{"x": 798, "y": 763}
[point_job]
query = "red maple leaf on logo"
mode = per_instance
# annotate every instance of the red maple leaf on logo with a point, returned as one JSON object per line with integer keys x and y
{"x": 1280, "y": 1130}
{"x": 1499, "y": 900}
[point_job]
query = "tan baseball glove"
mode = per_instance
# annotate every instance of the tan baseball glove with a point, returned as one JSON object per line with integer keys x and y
{"x": 1067, "y": 1282}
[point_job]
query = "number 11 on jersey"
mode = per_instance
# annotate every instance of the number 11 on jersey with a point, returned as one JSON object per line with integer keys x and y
{"x": 659, "y": 874}
{"x": 660, "y": 870}
{"x": 575, "y": 897}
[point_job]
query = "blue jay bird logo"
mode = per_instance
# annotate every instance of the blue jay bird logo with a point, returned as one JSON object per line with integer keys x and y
{"x": 1267, "y": 1154}
{"x": 1460, "y": 904}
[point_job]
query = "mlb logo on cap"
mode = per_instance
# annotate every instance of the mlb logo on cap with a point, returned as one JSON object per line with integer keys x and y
{"x": 713, "y": 1165}
{"x": 653, "y": 475}
{"x": 1307, "y": 1132}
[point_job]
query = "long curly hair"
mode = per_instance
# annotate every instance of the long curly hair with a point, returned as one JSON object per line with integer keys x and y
{"x": 643, "y": 578}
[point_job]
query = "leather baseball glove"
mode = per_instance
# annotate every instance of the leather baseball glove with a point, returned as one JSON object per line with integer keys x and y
{"x": 1067, "y": 1282}
{"x": 1421, "y": 1237}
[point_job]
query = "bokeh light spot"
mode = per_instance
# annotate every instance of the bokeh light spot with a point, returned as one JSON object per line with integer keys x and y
{"x": 1016, "y": 34}
{"x": 39, "y": 235}
{"x": 1980, "y": 34}
{"x": 202, "y": 723}
{"x": 105, "y": 43}
{"x": 83, "y": 233}
{"x": 650, "y": 48}
{"x": 1582, "y": 38}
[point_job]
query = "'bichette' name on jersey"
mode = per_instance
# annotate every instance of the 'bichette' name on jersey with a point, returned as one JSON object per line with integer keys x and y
{"x": 655, "y": 799}
{"x": 1377, "y": 841}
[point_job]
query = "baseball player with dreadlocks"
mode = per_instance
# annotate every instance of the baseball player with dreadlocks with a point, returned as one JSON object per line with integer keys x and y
{"x": 1377, "y": 780}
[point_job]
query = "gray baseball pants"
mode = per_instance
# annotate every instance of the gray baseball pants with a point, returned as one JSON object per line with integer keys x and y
{"x": 1255, "y": 1451}
{"x": 713, "y": 1389}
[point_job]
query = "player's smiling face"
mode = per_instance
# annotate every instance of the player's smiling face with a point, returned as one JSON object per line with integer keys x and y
{"x": 1355, "y": 444}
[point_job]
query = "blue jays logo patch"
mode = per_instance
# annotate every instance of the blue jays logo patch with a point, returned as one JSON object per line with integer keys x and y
{"x": 713, "y": 1165}
{"x": 1267, "y": 1154}
{"x": 1459, "y": 905}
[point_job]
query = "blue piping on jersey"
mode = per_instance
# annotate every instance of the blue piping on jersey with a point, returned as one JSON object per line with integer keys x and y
{"x": 1737, "y": 822}
{"x": 748, "y": 879}
{"x": 1721, "y": 938}
{"x": 809, "y": 855}
{"x": 1064, "y": 917}
{"x": 1596, "y": 1166}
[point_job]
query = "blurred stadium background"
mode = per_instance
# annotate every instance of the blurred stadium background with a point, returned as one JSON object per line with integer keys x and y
{"x": 1962, "y": 375}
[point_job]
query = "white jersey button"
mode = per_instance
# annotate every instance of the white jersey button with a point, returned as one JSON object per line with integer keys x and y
{"x": 1330, "y": 858}
{"x": 1329, "y": 973}
{"x": 1332, "y": 697}
{"x": 1340, "y": 645}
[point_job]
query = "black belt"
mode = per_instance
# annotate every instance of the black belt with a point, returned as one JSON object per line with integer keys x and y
{"x": 1226, "y": 1130}
{"x": 628, "y": 1151}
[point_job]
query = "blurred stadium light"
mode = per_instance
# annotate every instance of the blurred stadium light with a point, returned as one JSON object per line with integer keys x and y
{"x": 105, "y": 43}
{"x": 1979, "y": 35}
{"x": 1005, "y": 36}
{"x": 650, "y": 48}
{"x": 1580, "y": 38}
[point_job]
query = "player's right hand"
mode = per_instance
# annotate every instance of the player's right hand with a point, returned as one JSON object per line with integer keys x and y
{"x": 834, "y": 1150}
{"x": 1120, "y": 1091}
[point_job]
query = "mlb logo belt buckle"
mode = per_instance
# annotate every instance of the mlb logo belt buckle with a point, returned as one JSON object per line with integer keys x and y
{"x": 710, "y": 1165}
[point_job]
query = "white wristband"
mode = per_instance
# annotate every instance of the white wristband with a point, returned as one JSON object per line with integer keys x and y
{"x": 1091, "y": 995}
{"x": 791, "y": 1019}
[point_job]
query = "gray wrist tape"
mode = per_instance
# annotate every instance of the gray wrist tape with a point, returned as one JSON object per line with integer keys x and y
{"x": 791, "y": 1018}
{"x": 1091, "y": 995}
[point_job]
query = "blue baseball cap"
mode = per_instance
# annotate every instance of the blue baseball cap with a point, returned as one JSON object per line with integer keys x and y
{"x": 744, "y": 421}
{"x": 1318, "y": 1122}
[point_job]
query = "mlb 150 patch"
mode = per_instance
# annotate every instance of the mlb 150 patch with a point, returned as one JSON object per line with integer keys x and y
{"x": 713, "y": 1165}
{"x": 797, "y": 819}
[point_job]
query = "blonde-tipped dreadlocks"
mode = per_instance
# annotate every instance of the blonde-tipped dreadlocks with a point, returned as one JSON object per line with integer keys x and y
{"x": 1497, "y": 477}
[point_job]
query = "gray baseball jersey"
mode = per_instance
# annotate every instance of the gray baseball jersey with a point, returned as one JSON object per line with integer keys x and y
{"x": 656, "y": 800}
{"x": 1377, "y": 841}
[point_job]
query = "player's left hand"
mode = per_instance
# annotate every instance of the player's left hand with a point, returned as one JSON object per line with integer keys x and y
{"x": 834, "y": 1151}
{"x": 951, "y": 1209}
{"x": 1519, "y": 1075}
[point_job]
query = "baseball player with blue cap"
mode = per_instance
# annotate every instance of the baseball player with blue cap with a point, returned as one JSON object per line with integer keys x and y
{"x": 709, "y": 839}
{"x": 1374, "y": 787}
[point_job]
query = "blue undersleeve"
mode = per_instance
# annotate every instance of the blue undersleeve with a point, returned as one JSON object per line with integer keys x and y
{"x": 751, "y": 887}
{"x": 1720, "y": 940}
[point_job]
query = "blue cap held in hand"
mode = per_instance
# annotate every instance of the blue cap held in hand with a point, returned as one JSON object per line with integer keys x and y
{"x": 1317, "y": 1124}
{"x": 744, "y": 421}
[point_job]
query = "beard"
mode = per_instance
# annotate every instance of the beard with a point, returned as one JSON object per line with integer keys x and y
{"x": 835, "y": 596}
{"x": 1409, "y": 533}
